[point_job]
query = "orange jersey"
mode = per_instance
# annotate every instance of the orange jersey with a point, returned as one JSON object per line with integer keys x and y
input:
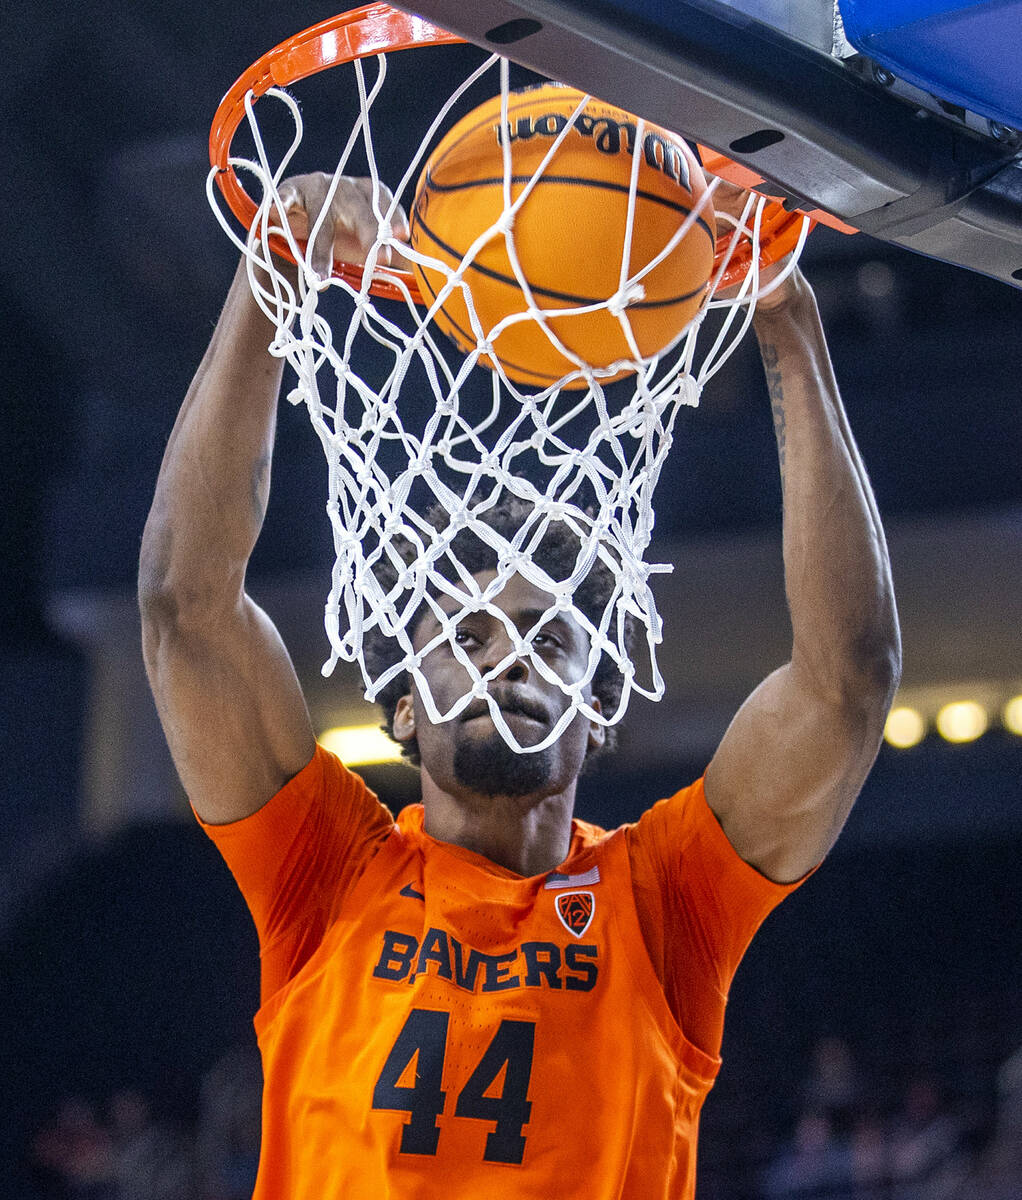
{"x": 434, "y": 1025}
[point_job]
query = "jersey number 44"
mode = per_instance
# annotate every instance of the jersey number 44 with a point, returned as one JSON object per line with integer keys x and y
{"x": 423, "y": 1038}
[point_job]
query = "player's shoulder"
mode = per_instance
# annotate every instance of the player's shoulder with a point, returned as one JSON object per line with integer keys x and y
{"x": 670, "y": 832}
{"x": 679, "y": 815}
{"x": 328, "y": 776}
{"x": 330, "y": 801}
{"x": 662, "y": 834}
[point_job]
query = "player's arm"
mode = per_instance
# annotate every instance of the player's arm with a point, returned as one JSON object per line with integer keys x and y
{"x": 226, "y": 691}
{"x": 796, "y": 755}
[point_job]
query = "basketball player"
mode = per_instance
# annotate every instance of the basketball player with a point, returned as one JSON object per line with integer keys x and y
{"x": 487, "y": 997}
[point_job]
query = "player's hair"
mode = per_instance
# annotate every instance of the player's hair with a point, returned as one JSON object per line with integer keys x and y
{"x": 556, "y": 554}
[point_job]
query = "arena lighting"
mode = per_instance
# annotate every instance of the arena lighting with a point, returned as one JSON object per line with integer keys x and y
{"x": 962, "y": 721}
{"x": 1011, "y": 715}
{"x": 905, "y": 727}
{"x": 360, "y": 745}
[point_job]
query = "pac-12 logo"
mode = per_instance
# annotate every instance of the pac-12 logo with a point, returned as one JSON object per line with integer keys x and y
{"x": 575, "y": 910}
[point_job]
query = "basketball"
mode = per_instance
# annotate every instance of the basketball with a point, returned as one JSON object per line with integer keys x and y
{"x": 569, "y": 234}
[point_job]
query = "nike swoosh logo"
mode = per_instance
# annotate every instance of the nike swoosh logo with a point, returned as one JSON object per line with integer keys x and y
{"x": 410, "y": 893}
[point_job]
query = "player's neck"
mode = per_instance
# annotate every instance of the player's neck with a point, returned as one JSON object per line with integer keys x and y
{"x": 521, "y": 834}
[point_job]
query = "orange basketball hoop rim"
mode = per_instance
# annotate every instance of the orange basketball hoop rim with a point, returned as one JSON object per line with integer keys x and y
{"x": 378, "y": 29}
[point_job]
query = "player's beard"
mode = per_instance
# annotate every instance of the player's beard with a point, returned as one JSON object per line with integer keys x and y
{"x": 489, "y": 767}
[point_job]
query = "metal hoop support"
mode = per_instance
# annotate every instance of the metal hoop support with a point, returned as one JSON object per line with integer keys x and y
{"x": 379, "y": 29}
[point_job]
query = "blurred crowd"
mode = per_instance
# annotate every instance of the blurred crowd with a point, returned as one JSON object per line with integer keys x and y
{"x": 122, "y": 1150}
{"x": 847, "y": 1147}
{"x": 843, "y": 1147}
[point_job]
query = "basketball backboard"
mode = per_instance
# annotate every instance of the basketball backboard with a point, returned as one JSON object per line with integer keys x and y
{"x": 908, "y": 133}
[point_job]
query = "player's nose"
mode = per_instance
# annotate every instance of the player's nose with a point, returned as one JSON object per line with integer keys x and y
{"x": 500, "y": 656}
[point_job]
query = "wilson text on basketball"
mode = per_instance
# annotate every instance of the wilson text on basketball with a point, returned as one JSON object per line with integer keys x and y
{"x": 609, "y": 136}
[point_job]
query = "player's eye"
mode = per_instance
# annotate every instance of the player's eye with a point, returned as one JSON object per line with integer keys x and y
{"x": 545, "y": 641}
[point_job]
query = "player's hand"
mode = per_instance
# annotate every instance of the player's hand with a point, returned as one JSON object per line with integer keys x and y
{"x": 730, "y": 200}
{"x": 350, "y": 227}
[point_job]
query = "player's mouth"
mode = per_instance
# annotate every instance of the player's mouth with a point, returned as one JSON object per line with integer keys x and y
{"x": 528, "y": 709}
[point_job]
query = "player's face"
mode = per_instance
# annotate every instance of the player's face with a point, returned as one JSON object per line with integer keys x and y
{"x": 468, "y": 753}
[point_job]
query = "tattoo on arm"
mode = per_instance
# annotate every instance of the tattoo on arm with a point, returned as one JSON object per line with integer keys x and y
{"x": 773, "y": 377}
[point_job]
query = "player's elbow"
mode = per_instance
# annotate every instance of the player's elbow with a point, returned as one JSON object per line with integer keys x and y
{"x": 153, "y": 572}
{"x": 876, "y": 667}
{"x": 161, "y": 596}
{"x": 856, "y": 686}
{"x": 866, "y": 696}
{"x": 178, "y": 598}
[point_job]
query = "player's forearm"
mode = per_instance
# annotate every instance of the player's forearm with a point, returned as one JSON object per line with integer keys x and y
{"x": 837, "y": 572}
{"x": 213, "y": 484}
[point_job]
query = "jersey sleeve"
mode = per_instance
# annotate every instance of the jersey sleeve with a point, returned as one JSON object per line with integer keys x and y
{"x": 699, "y": 906}
{"x": 296, "y": 858}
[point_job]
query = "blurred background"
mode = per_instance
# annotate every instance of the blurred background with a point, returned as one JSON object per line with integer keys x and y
{"x": 873, "y": 1041}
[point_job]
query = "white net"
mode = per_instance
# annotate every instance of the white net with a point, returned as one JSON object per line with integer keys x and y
{"x": 446, "y": 478}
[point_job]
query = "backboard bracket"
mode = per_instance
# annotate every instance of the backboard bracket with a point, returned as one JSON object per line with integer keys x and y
{"x": 903, "y": 174}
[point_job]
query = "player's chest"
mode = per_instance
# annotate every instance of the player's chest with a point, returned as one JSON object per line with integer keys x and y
{"x": 436, "y": 1004}
{"x": 483, "y": 936}
{"x": 436, "y": 931}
